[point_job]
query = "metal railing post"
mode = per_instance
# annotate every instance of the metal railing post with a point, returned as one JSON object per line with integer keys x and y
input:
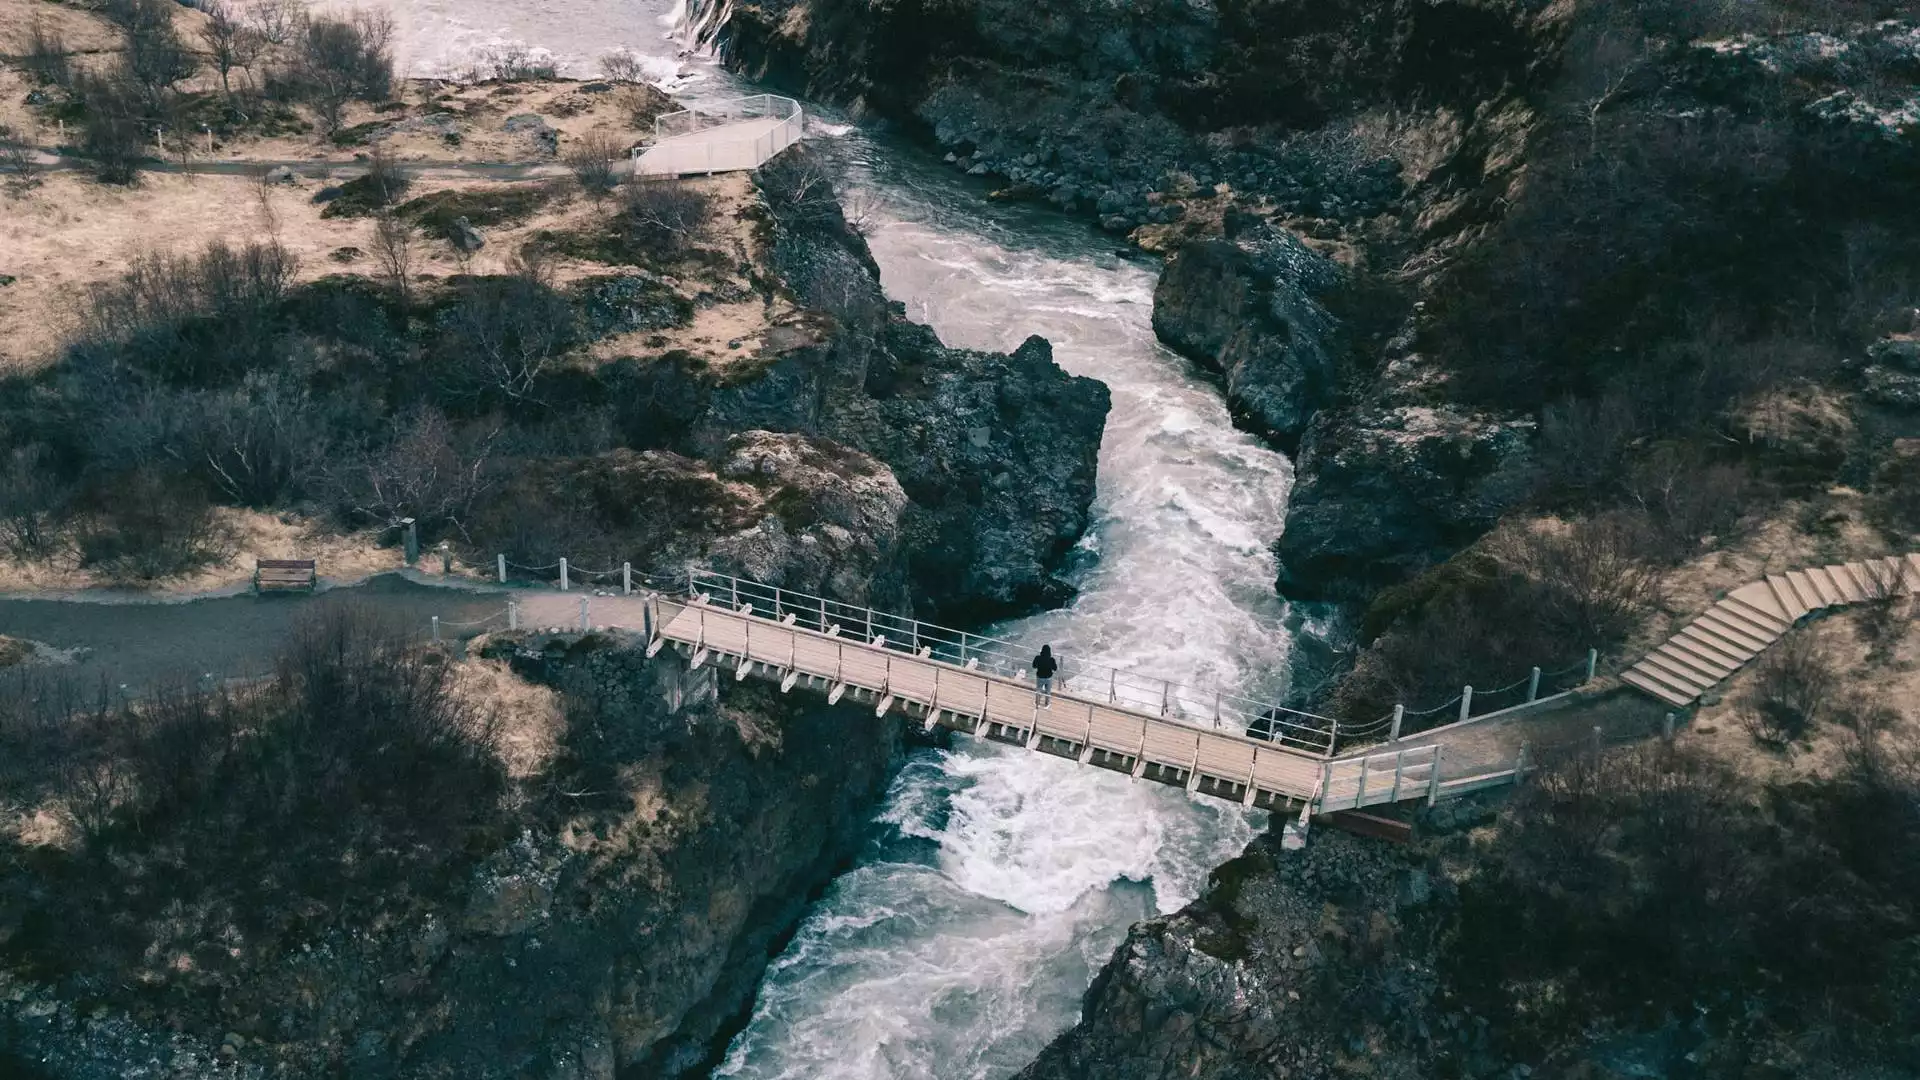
{"x": 501, "y": 561}
{"x": 1399, "y": 714}
{"x": 734, "y": 584}
{"x": 1466, "y": 702}
{"x": 563, "y": 573}
{"x": 1333, "y": 734}
{"x": 776, "y": 603}
{"x": 1533, "y": 684}
{"x": 1113, "y": 686}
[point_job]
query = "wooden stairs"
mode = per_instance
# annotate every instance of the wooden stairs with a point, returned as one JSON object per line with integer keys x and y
{"x": 1750, "y": 618}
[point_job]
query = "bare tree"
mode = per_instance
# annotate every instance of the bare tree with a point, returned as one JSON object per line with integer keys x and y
{"x": 508, "y": 334}
{"x": 427, "y": 471}
{"x": 262, "y": 177}
{"x": 667, "y": 215}
{"x": 393, "y": 239}
{"x": 277, "y": 21}
{"x": 230, "y": 43}
{"x": 47, "y": 59}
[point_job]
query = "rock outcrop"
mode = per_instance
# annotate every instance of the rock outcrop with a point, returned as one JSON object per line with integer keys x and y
{"x": 1247, "y": 309}
{"x": 656, "y": 862}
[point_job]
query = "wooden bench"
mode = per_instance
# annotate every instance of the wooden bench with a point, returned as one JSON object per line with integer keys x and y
{"x": 284, "y": 575}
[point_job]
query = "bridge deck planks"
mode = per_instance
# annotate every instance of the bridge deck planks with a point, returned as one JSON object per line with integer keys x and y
{"x": 1226, "y": 757}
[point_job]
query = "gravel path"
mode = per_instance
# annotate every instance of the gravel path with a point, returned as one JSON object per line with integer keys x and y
{"x": 144, "y": 643}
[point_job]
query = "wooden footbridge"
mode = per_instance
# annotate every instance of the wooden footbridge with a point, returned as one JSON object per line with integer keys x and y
{"x": 1148, "y": 729}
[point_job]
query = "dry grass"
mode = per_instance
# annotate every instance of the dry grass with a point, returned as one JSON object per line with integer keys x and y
{"x": 253, "y": 535}
{"x": 531, "y": 719}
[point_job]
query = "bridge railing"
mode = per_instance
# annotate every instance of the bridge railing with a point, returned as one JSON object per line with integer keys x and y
{"x": 669, "y": 158}
{"x": 1199, "y": 706}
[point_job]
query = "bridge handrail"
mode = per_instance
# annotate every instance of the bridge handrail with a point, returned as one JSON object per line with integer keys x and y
{"x": 1011, "y": 659}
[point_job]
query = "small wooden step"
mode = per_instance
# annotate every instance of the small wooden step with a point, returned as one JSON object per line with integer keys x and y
{"x": 1822, "y": 578}
{"x": 1674, "y": 673}
{"x": 1672, "y": 697}
{"x": 1667, "y": 679}
{"x": 1756, "y": 595}
{"x": 1735, "y": 629}
{"x": 1783, "y": 593}
{"x": 1854, "y": 581}
{"x": 1716, "y": 645}
{"x": 1702, "y": 671}
{"x": 1701, "y": 658}
{"x": 1766, "y": 620}
{"x": 1803, "y": 588}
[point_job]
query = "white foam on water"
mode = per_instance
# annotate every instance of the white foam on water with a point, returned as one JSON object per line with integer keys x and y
{"x": 964, "y": 940}
{"x": 1035, "y": 865}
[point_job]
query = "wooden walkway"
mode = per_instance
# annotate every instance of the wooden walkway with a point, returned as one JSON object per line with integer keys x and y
{"x": 1743, "y": 623}
{"x": 844, "y": 667}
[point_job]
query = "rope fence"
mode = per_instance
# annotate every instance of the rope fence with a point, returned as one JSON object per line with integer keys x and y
{"x": 1536, "y": 685}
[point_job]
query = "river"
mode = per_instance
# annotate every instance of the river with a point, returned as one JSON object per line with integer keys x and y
{"x": 997, "y": 881}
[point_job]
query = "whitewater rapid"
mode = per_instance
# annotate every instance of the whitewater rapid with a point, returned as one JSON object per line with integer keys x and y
{"x": 997, "y": 880}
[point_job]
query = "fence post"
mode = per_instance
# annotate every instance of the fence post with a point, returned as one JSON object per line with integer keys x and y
{"x": 446, "y": 557}
{"x": 1593, "y": 662}
{"x": 436, "y": 629}
{"x": 1166, "y": 690}
{"x": 776, "y": 603}
{"x": 1596, "y": 738}
{"x": 626, "y": 578}
{"x": 513, "y": 615}
{"x": 1399, "y": 714}
{"x": 583, "y": 615}
{"x": 1466, "y": 701}
{"x": 733, "y": 583}
{"x": 1333, "y": 734}
{"x": 1520, "y": 764}
{"x": 1533, "y": 684}
{"x": 411, "y": 540}
{"x": 1433, "y": 777}
{"x": 563, "y": 573}
{"x": 914, "y": 630}
{"x": 1666, "y": 726}
{"x": 646, "y": 618}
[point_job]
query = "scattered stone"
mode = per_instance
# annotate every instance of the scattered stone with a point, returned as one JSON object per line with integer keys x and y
{"x": 535, "y": 127}
{"x": 346, "y": 254}
{"x": 465, "y": 237}
{"x": 283, "y": 174}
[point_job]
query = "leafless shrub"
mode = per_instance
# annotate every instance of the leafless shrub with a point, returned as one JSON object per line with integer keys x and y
{"x": 1594, "y": 577}
{"x": 667, "y": 216}
{"x": 1688, "y": 496}
{"x": 277, "y": 22}
{"x": 593, "y": 157}
{"x": 18, "y": 156}
{"x": 29, "y": 497}
{"x": 506, "y": 334}
{"x": 117, "y": 130}
{"x": 1795, "y": 690}
{"x": 230, "y": 43}
{"x": 155, "y": 59}
{"x": 622, "y": 65}
{"x": 339, "y": 60}
{"x": 47, "y": 59}
{"x": 425, "y": 470}
{"x": 516, "y": 63}
{"x": 192, "y": 318}
{"x": 393, "y": 248}
{"x": 152, "y": 525}
{"x": 260, "y": 444}
{"x": 386, "y": 181}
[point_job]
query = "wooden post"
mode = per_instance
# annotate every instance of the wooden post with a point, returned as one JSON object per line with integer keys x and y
{"x": 1399, "y": 714}
{"x": 411, "y": 540}
{"x": 626, "y": 578}
{"x": 1520, "y": 765}
{"x": 500, "y": 561}
{"x": 563, "y": 573}
{"x": 1360, "y": 788}
{"x": 1666, "y": 726}
{"x": 1433, "y": 778}
{"x": 1466, "y": 702}
{"x": 1593, "y": 663}
{"x": 513, "y": 615}
{"x": 583, "y": 615}
{"x": 446, "y": 558}
{"x": 1399, "y": 767}
{"x": 1533, "y": 684}
{"x": 646, "y": 619}
{"x": 436, "y": 629}
{"x": 1596, "y": 738}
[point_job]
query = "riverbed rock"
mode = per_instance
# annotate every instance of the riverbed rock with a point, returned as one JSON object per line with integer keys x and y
{"x": 1247, "y": 310}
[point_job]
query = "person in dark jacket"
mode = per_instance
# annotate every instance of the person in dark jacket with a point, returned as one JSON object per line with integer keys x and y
{"x": 1044, "y": 666}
